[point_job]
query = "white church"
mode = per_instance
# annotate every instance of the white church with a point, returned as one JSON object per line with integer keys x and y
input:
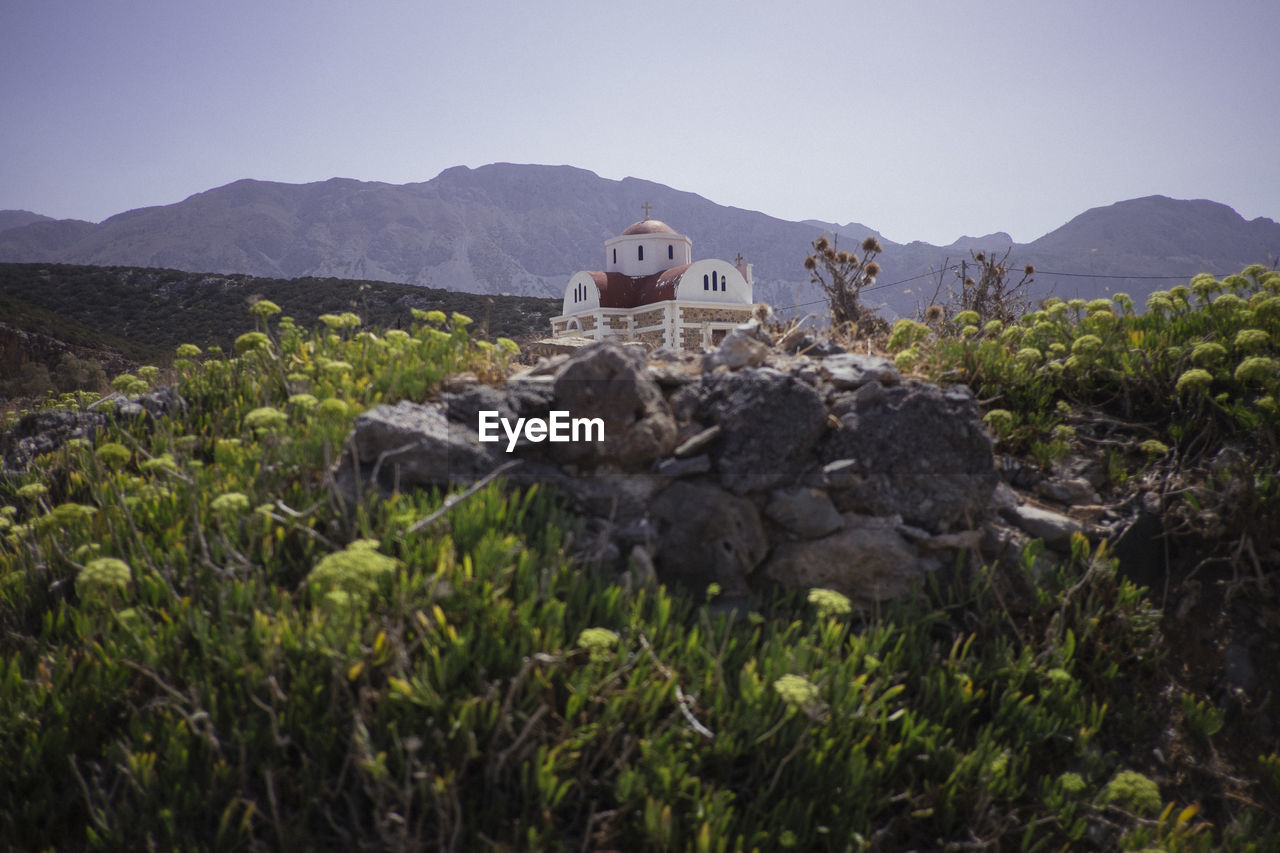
{"x": 652, "y": 291}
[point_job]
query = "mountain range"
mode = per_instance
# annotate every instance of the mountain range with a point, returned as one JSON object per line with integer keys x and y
{"x": 524, "y": 229}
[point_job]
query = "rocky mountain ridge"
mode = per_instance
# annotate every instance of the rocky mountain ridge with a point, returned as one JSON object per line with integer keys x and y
{"x": 523, "y": 229}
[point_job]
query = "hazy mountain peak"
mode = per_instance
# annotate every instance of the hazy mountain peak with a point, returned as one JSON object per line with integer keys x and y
{"x": 992, "y": 241}
{"x": 524, "y": 229}
{"x": 18, "y": 218}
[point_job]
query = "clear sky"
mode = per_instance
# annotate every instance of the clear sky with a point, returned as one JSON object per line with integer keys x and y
{"x": 925, "y": 120}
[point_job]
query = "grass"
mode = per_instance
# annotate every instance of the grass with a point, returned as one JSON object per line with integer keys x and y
{"x": 203, "y": 646}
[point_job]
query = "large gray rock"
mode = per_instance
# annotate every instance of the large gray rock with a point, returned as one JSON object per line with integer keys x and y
{"x": 1054, "y": 528}
{"x": 868, "y": 560}
{"x": 619, "y": 497}
{"x": 805, "y": 512}
{"x": 848, "y": 370}
{"x": 156, "y": 403}
{"x": 44, "y": 432}
{"x": 913, "y": 450}
{"x": 706, "y": 535}
{"x": 769, "y": 422}
{"x": 411, "y": 445}
{"x": 611, "y": 382}
{"x": 745, "y": 346}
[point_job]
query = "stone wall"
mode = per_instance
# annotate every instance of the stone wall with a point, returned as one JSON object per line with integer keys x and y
{"x": 746, "y": 467}
{"x": 727, "y": 314}
{"x": 690, "y": 338}
{"x": 649, "y": 318}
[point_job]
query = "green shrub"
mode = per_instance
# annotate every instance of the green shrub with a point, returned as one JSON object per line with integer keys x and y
{"x": 182, "y": 670}
{"x": 1133, "y": 792}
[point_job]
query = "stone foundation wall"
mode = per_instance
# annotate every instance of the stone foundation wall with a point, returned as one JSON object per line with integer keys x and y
{"x": 728, "y": 314}
{"x": 690, "y": 339}
{"x": 650, "y": 318}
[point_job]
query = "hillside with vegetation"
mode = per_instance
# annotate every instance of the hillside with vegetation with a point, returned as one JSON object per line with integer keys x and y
{"x": 205, "y": 645}
{"x": 123, "y": 317}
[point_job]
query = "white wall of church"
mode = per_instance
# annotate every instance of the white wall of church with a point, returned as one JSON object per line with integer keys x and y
{"x": 580, "y": 294}
{"x": 645, "y": 254}
{"x": 714, "y": 281}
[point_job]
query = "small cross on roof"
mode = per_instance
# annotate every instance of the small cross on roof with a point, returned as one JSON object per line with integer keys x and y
{"x": 646, "y": 209}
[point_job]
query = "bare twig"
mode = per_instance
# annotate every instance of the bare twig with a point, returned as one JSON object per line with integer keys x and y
{"x": 453, "y": 500}
{"x": 682, "y": 701}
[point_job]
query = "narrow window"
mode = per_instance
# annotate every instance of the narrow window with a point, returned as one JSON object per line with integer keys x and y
{"x": 706, "y": 283}
{"x": 671, "y": 253}
{"x": 615, "y": 256}
{"x": 715, "y": 280}
{"x": 641, "y": 255}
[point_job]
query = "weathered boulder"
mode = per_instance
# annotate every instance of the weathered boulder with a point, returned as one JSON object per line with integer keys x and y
{"x": 848, "y": 370}
{"x": 913, "y": 450}
{"x": 609, "y": 381}
{"x": 805, "y": 512}
{"x": 618, "y": 497}
{"x": 707, "y": 535}
{"x": 409, "y": 445}
{"x": 867, "y": 559}
{"x": 685, "y": 466}
{"x": 769, "y": 422}
{"x": 744, "y": 346}
{"x": 156, "y": 403}
{"x": 44, "y": 432}
{"x": 1054, "y": 528}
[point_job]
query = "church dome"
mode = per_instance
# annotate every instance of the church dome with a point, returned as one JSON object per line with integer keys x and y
{"x": 649, "y": 226}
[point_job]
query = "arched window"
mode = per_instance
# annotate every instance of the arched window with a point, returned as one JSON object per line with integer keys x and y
{"x": 615, "y": 256}
{"x": 706, "y": 283}
{"x": 640, "y": 249}
{"x": 671, "y": 253}
{"x": 715, "y": 280}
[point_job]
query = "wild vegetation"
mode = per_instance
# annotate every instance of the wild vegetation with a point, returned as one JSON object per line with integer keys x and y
{"x": 203, "y": 645}
{"x": 843, "y": 275}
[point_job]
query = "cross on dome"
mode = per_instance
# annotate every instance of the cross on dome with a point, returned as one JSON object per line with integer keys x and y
{"x": 647, "y": 208}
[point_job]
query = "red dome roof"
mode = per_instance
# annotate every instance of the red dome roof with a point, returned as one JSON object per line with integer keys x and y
{"x": 649, "y": 226}
{"x": 623, "y": 291}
